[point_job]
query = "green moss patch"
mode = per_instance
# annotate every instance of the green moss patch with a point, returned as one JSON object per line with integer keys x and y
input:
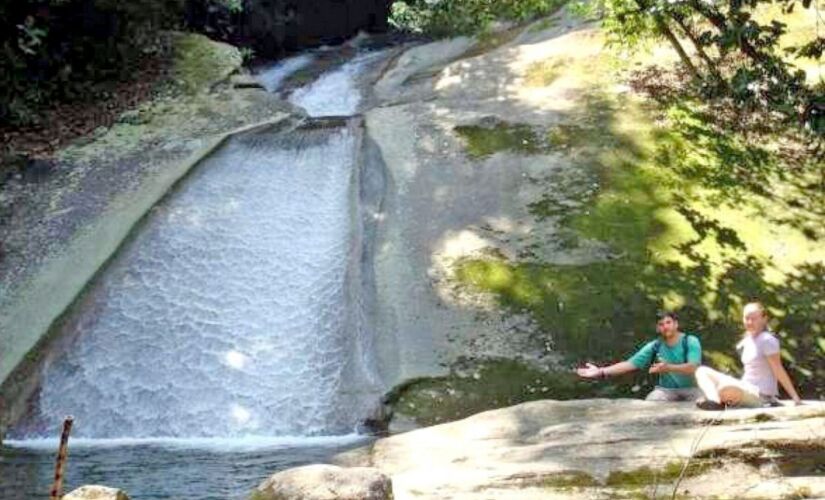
{"x": 476, "y": 386}
{"x": 646, "y": 476}
{"x": 697, "y": 218}
{"x": 493, "y": 135}
{"x": 544, "y": 24}
{"x": 200, "y": 62}
{"x": 626, "y": 481}
{"x": 487, "y": 139}
{"x": 491, "y": 40}
{"x": 569, "y": 479}
{"x": 793, "y": 458}
{"x": 543, "y": 73}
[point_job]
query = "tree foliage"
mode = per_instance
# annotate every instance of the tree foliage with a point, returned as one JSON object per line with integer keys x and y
{"x": 455, "y": 17}
{"x": 724, "y": 46}
{"x": 55, "y": 49}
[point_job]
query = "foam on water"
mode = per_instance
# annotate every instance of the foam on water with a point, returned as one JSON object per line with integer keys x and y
{"x": 216, "y": 445}
{"x": 335, "y": 93}
{"x": 273, "y": 76}
{"x": 231, "y": 312}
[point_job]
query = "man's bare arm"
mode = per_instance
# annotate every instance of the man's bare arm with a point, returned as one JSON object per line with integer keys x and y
{"x": 593, "y": 371}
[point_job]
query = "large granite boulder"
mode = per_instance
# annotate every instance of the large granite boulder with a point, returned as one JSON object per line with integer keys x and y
{"x": 608, "y": 448}
{"x": 96, "y": 492}
{"x": 326, "y": 482}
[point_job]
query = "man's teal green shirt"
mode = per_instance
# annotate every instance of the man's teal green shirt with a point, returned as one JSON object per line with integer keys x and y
{"x": 673, "y": 355}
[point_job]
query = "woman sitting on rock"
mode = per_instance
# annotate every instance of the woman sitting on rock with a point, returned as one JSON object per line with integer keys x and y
{"x": 759, "y": 350}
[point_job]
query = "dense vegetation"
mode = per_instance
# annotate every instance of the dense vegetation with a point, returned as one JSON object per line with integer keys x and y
{"x": 451, "y": 17}
{"x": 728, "y": 49}
{"x": 52, "y": 49}
{"x": 57, "y": 50}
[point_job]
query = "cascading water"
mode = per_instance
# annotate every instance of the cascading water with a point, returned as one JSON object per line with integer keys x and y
{"x": 229, "y": 314}
{"x": 235, "y": 311}
{"x": 335, "y": 93}
{"x": 273, "y": 76}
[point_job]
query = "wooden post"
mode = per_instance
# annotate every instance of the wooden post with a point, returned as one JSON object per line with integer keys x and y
{"x": 62, "y": 452}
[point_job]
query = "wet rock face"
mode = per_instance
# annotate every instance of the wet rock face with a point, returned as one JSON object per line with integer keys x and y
{"x": 277, "y": 25}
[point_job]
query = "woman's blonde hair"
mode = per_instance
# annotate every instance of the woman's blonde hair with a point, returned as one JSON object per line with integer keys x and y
{"x": 758, "y": 306}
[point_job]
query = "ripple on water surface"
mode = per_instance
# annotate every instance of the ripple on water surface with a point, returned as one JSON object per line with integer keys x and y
{"x": 149, "y": 470}
{"x": 231, "y": 312}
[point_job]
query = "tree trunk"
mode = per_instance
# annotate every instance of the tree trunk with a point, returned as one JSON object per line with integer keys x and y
{"x": 718, "y": 20}
{"x": 665, "y": 30}
{"x": 661, "y": 24}
{"x": 714, "y": 71}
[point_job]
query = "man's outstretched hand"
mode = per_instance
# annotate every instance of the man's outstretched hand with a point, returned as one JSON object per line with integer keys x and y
{"x": 589, "y": 371}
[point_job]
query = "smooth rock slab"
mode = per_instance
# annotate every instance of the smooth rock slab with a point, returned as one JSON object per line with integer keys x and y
{"x": 604, "y": 449}
{"x": 326, "y": 482}
{"x": 96, "y": 492}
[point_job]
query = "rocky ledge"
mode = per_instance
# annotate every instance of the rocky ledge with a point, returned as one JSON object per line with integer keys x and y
{"x": 603, "y": 448}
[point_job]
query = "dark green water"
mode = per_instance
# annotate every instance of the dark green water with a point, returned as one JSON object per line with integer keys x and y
{"x": 158, "y": 471}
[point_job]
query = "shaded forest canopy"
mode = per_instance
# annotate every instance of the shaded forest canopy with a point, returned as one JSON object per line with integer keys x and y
{"x": 56, "y": 50}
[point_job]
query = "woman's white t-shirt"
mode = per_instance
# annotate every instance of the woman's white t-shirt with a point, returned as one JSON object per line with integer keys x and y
{"x": 755, "y": 349}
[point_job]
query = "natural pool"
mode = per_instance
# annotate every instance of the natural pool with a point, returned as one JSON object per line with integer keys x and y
{"x": 149, "y": 470}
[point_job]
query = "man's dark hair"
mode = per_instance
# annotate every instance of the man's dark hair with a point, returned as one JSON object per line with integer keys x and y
{"x": 666, "y": 314}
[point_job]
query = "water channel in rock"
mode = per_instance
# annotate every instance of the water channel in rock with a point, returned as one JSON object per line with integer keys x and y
{"x": 227, "y": 339}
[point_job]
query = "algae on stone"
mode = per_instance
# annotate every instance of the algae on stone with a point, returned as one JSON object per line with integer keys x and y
{"x": 488, "y": 138}
{"x": 480, "y": 385}
{"x": 544, "y": 73}
{"x": 491, "y": 135}
{"x": 569, "y": 479}
{"x": 200, "y": 61}
{"x": 646, "y": 476}
{"x": 683, "y": 206}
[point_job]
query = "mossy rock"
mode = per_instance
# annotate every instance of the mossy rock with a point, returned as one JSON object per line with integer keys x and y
{"x": 200, "y": 62}
{"x": 646, "y": 476}
{"x": 569, "y": 479}
{"x": 474, "y": 386}
{"x": 492, "y": 135}
{"x": 544, "y": 73}
{"x": 684, "y": 209}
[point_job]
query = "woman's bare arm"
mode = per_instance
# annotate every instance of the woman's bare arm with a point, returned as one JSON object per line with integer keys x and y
{"x": 775, "y": 362}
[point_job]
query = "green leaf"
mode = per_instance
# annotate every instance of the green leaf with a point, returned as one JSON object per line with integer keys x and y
{"x": 821, "y": 343}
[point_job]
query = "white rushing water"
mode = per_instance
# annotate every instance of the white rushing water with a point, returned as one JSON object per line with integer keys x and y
{"x": 273, "y": 76}
{"x": 235, "y": 310}
{"x": 335, "y": 93}
{"x": 217, "y": 445}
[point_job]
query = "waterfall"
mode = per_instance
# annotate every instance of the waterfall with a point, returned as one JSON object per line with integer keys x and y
{"x": 335, "y": 93}
{"x": 234, "y": 309}
{"x": 272, "y": 77}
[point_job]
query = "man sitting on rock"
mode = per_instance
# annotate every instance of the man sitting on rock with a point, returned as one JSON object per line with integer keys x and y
{"x": 674, "y": 357}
